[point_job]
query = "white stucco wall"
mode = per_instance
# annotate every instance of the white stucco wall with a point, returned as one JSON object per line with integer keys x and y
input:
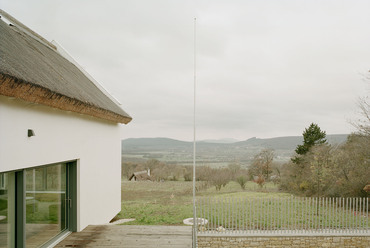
{"x": 64, "y": 136}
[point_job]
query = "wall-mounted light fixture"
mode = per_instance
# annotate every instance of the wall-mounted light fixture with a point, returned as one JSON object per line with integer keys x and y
{"x": 30, "y": 133}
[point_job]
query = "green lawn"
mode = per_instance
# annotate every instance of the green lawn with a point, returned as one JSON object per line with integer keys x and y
{"x": 169, "y": 203}
{"x": 156, "y": 203}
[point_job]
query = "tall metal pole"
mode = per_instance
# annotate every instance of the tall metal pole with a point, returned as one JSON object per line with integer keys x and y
{"x": 194, "y": 145}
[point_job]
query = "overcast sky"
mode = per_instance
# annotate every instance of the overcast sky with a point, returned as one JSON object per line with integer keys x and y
{"x": 264, "y": 68}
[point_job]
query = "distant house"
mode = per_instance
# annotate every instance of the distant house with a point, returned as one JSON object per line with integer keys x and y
{"x": 141, "y": 176}
{"x": 60, "y": 147}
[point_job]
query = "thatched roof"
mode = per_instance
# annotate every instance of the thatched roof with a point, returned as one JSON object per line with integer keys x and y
{"x": 140, "y": 176}
{"x": 33, "y": 70}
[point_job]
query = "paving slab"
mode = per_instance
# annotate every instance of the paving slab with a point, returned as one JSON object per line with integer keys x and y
{"x": 130, "y": 236}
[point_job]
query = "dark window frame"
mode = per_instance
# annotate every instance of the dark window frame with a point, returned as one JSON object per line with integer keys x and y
{"x": 19, "y": 235}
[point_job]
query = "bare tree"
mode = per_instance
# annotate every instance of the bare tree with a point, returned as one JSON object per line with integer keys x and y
{"x": 220, "y": 177}
{"x": 262, "y": 164}
{"x": 234, "y": 169}
{"x": 320, "y": 164}
{"x": 363, "y": 125}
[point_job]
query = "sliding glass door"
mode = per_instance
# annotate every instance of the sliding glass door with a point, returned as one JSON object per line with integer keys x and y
{"x": 37, "y": 205}
{"x": 46, "y": 199}
{"x": 7, "y": 210}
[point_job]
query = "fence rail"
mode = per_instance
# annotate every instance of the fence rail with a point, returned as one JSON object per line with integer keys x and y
{"x": 294, "y": 215}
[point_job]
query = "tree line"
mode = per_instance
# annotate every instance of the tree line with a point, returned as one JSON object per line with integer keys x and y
{"x": 320, "y": 169}
{"x": 323, "y": 170}
{"x": 217, "y": 177}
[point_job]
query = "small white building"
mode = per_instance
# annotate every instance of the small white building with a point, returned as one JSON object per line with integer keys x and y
{"x": 60, "y": 147}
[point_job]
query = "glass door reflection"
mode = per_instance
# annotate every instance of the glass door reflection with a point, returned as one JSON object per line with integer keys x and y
{"x": 46, "y": 211}
{"x": 7, "y": 225}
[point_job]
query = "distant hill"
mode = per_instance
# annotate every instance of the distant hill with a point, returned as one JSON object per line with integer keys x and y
{"x": 220, "y": 141}
{"x": 288, "y": 142}
{"x": 278, "y": 143}
{"x": 152, "y": 144}
{"x": 212, "y": 152}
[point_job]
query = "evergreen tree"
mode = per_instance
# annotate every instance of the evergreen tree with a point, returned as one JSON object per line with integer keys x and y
{"x": 311, "y": 136}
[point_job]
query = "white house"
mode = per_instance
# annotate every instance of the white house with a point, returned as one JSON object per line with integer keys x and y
{"x": 60, "y": 148}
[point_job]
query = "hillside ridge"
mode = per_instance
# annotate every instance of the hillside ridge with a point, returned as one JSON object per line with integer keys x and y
{"x": 284, "y": 142}
{"x": 212, "y": 154}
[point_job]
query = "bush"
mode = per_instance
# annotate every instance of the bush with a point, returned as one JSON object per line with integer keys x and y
{"x": 260, "y": 181}
{"x": 242, "y": 180}
{"x": 188, "y": 177}
{"x": 341, "y": 171}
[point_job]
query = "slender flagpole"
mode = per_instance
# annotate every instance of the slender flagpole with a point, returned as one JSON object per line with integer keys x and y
{"x": 194, "y": 143}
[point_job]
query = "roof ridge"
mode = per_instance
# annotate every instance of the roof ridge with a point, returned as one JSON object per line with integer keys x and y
{"x": 32, "y": 69}
{"x": 26, "y": 29}
{"x": 64, "y": 53}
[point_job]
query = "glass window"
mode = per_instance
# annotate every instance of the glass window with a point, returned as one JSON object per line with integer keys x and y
{"x": 37, "y": 204}
{"x": 6, "y": 209}
{"x": 45, "y": 203}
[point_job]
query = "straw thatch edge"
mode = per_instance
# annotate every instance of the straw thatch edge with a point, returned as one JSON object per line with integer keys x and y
{"x": 14, "y": 87}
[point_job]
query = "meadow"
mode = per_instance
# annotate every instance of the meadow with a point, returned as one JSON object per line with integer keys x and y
{"x": 170, "y": 202}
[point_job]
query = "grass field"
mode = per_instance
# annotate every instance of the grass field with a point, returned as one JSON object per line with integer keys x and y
{"x": 169, "y": 203}
{"x": 156, "y": 203}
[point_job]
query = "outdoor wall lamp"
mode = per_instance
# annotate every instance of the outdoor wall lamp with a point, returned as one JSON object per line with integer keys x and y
{"x": 30, "y": 133}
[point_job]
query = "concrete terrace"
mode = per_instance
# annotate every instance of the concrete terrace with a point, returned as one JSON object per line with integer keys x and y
{"x": 130, "y": 236}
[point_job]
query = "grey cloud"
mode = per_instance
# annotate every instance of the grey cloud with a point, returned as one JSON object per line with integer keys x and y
{"x": 264, "y": 68}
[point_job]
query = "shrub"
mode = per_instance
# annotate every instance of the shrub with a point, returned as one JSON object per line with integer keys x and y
{"x": 242, "y": 180}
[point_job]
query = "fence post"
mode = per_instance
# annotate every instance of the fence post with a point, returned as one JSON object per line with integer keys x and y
{"x": 291, "y": 215}
{"x": 217, "y": 213}
{"x": 356, "y": 215}
{"x": 332, "y": 216}
{"x": 274, "y": 214}
{"x": 346, "y": 222}
{"x": 366, "y": 213}
{"x": 250, "y": 215}
{"x": 344, "y": 212}
{"x": 350, "y": 214}
{"x": 264, "y": 215}
{"x": 228, "y": 215}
